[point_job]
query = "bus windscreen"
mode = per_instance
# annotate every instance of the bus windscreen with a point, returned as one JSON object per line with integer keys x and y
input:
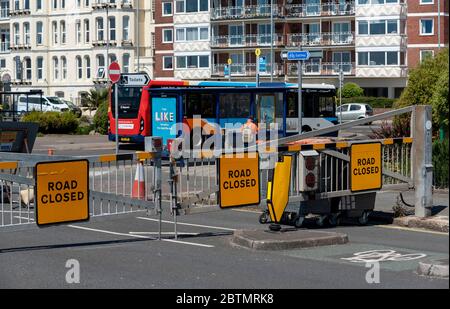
{"x": 129, "y": 100}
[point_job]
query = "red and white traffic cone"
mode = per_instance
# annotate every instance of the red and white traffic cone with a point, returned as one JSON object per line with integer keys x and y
{"x": 139, "y": 183}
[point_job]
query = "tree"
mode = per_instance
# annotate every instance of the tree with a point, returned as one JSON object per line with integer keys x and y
{"x": 351, "y": 90}
{"x": 96, "y": 97}
{"x": 439, "y": 102}
{"x": 424, "y": 81}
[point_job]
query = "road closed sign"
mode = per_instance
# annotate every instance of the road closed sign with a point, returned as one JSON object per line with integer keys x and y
{"x": 366, "y": 167}
{"x": 239, "y": 180}
{"x": 62, "y": 192}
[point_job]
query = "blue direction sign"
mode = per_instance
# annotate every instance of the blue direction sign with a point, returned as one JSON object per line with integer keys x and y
{"x": 298, "y": 55}
{"x": 262, "y": 64}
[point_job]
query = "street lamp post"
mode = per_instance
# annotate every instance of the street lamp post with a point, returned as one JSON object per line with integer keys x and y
{"x": 271, "y": 40}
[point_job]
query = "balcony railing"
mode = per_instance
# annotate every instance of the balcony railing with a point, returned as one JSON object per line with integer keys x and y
{"x": 321, "y": 39}
{"x": 246, "y": 12}
{"x": 322, "y": 68}
{"x": 289, "y": 10}
{"x": 5, "y": 47}
{"x": 246, "y": 69}
{"x": 252, "y": 40}
{"x": 324, "y": 9}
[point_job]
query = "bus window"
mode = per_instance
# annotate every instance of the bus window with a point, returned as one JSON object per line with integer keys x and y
{"x": 203, "y": 104}
{"x": 129, "y": 101}
{"x": 234, "y": 107}
{"x": 309, "y": 105}
{"x": 326, "y": 106}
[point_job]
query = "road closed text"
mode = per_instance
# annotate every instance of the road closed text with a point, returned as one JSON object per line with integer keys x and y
{"x": 57, "y": 192}
{"x": 366, "y": 166}
{"x": 239, "y": 179}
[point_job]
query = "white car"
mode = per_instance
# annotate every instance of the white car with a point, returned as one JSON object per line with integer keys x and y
{"x": 40, "y": 103}
{"x": 354, "y": 111}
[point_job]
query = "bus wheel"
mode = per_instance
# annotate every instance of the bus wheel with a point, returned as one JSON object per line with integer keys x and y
{"x": 306, "y": 129}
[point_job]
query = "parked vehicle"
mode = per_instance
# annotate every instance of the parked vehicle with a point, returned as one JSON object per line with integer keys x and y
{"x": 72, "y": 107}
{"x": 354, "y": 111}
{"x": 40, "y": 103}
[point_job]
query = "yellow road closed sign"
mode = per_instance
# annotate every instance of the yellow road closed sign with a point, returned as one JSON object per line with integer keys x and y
{"x": 239, "y": 180}
{"x": 62, "y": 192}
{"x": 366, "y": 167}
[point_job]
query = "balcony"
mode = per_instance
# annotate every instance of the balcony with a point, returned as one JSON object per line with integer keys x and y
{"x": 102, "y": 42}
{"x": 246, "y": 70}
{"x": 5, "y": 47}
{"x": 252, "y": 40}
{"x": 126, "y": 4}
{"x": 246, "y": 12}
{"x": 103, "y": 4}
{"x": 319, "y": 10}
{"x": 21, "y": 46}
{"x": 289, "y": 11}
{"x": 322, "y": 69}
{"x": 13, "y": 12}
{"x": 320, "y": 39}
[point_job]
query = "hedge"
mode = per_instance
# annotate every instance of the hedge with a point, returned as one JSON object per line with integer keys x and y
{"x": 53, "y": 122}
{"x": 101, "y": 119}
{"x": 440, "y": 163}
{"x": 377, "y": 102}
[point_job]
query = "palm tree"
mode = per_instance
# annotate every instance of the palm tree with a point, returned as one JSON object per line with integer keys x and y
{"x": 95, "y": 98}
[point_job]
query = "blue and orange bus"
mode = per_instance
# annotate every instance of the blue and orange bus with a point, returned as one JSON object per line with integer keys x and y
{"x": 151, "y": 110}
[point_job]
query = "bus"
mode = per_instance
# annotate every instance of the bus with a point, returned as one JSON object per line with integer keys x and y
{"x": 153, "y": 109}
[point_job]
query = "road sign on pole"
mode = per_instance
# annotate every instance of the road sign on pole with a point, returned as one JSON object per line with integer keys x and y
{"x": 134, "y": 80}
{"x": 298, "y": 55}
{"x": 114, "y": 72}
{"x": 262, "y": 64}
{"x": 114, "y": 76}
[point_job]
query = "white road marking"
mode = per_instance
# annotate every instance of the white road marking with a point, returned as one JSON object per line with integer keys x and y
{"x": 138, "y": 236}
{"x": 410, "y": 229}
{"x": 189, "y": 224}
{"x": 374, "y": 256}
{"x": 164, "y": 233}
{"x": 252, "y": 211}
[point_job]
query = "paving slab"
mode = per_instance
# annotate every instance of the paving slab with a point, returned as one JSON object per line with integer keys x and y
{"x": 285, "y": 240}
{"x": 434, "y": 223}
{"x": 437, "y": 268}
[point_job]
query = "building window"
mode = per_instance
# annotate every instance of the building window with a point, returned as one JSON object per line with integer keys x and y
{"x": 100, "y": 33}
{"x": 26, "y": 33}
{"x": 380, "y": 58}
{"x": 126, "y": 63}
{"x": 79, "y": 67}
{"x": 192, "y": 62}
{"x": 167, "y": 63}
{"x": 39, "y": 33}
{"x": 87, "y": 63}
{"x": 167, "y": 9}
{"x": 100, "y": 66}
{"x": 63, "y": 32}
{"x": 40, "y": 68}
{"x": 55, "y": 32}
{"x": 426, "y": 1}
{"x": 78, "y": 31}
{"x": 167, "y": 36}
{"x": 64, "y": 67}
{"x": 86, "y": 31}
{"x": 112, "y": 28}
{"x": 424, "y": 54}
{"x": 27, "y": 68}
{"x": 126, "y": 28}
{"x": 363, "y": 27}
{"x": 55, "y": 68}
{"x": 426, "y": 27}
{"x": 191, "y": 6}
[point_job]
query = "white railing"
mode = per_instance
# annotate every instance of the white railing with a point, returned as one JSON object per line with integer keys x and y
{"x": 325, "y": 9}
{"x": 246, "y": 69}
{"x": 318, "y": 39}
{"x": 250, "y": 40}
{"x": 5, "y": 47}
{"x": 322, "y": 68}
{"x": 248, "y": 11}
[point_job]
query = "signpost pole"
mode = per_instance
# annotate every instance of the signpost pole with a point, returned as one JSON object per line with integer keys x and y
{"x": 116, "y": 112}
{"x": 257, "y": 71}
{"x": 300, "y": 103}
{"x": 341, "y": 82}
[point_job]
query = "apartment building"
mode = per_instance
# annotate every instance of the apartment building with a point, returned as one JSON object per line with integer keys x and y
{"x": 373, "y": 42}
{"x": 64, "y": 47}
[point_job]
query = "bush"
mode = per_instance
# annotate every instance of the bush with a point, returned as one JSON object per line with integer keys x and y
{"x": 424, "y": 81}
{"x": 53, "y": 122}
{"x": 351, "y": 90}
{"x": 440, "y": 163}
{"x": 376, "y": 102}
{"x": 400, "y": 127}
{"x": 101, "y": 119}
{"x": 439, "y": 101}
